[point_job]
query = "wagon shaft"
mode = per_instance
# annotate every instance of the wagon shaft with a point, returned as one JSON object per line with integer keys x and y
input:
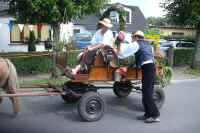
{"x": 32, "y": 94}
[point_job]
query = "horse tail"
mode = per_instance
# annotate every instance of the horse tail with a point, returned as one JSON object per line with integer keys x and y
{"x": 13, "y": 82}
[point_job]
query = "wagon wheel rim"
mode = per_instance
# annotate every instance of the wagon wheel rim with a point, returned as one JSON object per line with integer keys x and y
{"x": 157, "y": 98}
{"x": 93, "y": 107}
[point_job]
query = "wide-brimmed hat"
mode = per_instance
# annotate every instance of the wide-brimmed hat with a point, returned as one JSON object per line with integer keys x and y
{"x": 139, "y": 33}
{"x": 106, "y": 22}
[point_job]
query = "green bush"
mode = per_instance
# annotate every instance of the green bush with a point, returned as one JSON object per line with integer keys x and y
{"x": 183, "y": 57}
{"x": 188, "y": 38}
{"x": 33, "y": 65}
{"x": 72, "y": 58}
{"x": 31, "y": 42}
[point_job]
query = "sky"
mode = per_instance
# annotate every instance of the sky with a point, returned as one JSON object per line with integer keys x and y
{"x": 148, "y": 7}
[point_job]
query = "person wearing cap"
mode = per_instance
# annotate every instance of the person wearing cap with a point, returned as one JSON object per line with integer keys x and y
{"x": 102, "y": 37}
{"x": 145, "y": 59}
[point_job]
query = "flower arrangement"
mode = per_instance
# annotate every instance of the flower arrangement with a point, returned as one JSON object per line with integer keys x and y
{"x": 120, "y": 38}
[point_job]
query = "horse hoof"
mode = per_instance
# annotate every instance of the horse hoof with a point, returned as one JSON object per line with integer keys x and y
{"x": 15, "y": 115}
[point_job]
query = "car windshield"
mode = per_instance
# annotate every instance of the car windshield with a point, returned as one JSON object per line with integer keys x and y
{"x": 83, "y": 37}
{"x": 165, "y": 44}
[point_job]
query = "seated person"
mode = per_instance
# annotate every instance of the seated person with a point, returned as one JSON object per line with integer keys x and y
{"x": 102, "y": 37}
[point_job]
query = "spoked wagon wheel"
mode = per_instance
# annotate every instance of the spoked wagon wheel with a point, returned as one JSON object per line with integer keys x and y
{"x": 91, "y": 106}
{"x": 122, "y": 89}
{"x": 159, "y": 96}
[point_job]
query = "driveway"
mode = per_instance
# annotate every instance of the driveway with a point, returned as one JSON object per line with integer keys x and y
{"x": 180, "y": 114}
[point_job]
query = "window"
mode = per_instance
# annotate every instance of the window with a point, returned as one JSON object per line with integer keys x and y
{"x": 177, "y": 33}
{"x": 114, "y": 17}
{"x": 128, "y": 15}
{"x": 76, "y": 31}
{"x": 21, "y": 36}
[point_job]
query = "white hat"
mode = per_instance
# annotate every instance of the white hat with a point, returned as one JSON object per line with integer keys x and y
{"x": 106, "y": 22}
{"x": 139, "y": 33}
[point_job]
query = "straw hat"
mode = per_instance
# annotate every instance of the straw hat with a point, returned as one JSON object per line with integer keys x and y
{"x": 106, "y": 22}
{"x": 139, "y": 33}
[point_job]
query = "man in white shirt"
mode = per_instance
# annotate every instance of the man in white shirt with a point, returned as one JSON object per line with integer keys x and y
{"x": 102, "y": 37}
{"x": 145, "y": 59}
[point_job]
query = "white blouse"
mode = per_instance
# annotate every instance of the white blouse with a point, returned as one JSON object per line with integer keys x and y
{"x": 106, "y": 39}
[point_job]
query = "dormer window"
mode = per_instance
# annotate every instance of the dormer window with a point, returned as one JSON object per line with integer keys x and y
{"x": 114, "y": 16}
{"x": 128, "y": 15}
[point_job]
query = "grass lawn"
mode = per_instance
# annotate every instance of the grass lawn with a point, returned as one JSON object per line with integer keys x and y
{"x": 45, "y": 81}
{"x": 192, "y": 71}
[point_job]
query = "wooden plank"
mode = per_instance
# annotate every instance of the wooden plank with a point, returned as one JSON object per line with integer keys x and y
{"x": 32, "y": 94}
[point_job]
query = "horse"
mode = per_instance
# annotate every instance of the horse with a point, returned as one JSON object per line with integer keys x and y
{"x": 9, "y": 82}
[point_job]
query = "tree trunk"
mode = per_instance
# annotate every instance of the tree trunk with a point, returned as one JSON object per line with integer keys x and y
{"x": 56, "y": 37}
{"x": 196, "y": 60}
{"x": 56, "y": 32}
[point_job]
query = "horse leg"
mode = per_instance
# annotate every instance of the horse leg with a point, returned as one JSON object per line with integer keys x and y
{"x": 1, "y": 99}
{"x": 15, "y": 104}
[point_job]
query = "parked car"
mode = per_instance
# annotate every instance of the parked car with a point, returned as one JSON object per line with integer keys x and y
{"x": 176, "y": 45}
{"x": 83, "y": 39}
{"x": 183, "y": 44}
{"x": 164, "y": 46}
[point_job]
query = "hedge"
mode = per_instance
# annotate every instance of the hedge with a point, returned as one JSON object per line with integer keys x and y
{"x": 183, "y": 57}
{"x": 36, "y": 62}
{"x": 41, "y": 62}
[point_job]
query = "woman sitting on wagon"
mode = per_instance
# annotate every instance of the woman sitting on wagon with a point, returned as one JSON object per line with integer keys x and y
{"x": 101, "y": 38}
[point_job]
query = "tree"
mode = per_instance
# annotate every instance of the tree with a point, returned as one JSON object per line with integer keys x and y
{"x": 157, "y": 21}
{"x": 31, "y": 42}
{"x": 185, "y": 13}
{"x": 53, "y": 12}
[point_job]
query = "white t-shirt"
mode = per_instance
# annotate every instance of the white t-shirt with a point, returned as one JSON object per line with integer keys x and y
{"x": 106, "y": 39}
{"x": 128, "y": 49}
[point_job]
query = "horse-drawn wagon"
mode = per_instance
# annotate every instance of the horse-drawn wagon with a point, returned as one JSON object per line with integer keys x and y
{"x": 81, "y": 89}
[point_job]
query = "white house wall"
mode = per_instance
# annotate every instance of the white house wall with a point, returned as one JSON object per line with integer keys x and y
{"x": 81, "y": 28}
{"x": 6, "y": 46}
{"x": 66, "y": 31}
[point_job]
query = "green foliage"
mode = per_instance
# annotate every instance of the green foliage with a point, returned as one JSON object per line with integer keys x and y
{"x": 59, "y": 45}
{"x": 53, "y": 11}
{"x": 152, "y": 31}
{"x": 183, "y": 12}
{"x": 156, "y": 21}
{"x": 122, "y": 16}
{"x": 188, "y": 38}
{"x": 71, "y": 44}
{"x": 33, "y": 65}
{"x": 72, "y": 58}
{"x": 166, "y": 78}
{"x": 31, "y": 42}
{"x": 168, "y": 72}
{"x": 195, "y": 72}
{"x": 183, "y": 57}
{"x": 45, "y": 81}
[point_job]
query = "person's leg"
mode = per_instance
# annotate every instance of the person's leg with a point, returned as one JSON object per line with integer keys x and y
{"x": 148, "y": 84}
{"x": 76, "y": 69}
{"x": 144, "y": 85}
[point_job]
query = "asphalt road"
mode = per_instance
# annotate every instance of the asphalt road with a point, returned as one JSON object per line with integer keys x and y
{"x": 180, "y": 114}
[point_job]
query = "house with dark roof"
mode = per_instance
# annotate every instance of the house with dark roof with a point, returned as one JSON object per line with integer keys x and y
{"x": 135, "y": 21}
{"x": 13, "y": 36}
